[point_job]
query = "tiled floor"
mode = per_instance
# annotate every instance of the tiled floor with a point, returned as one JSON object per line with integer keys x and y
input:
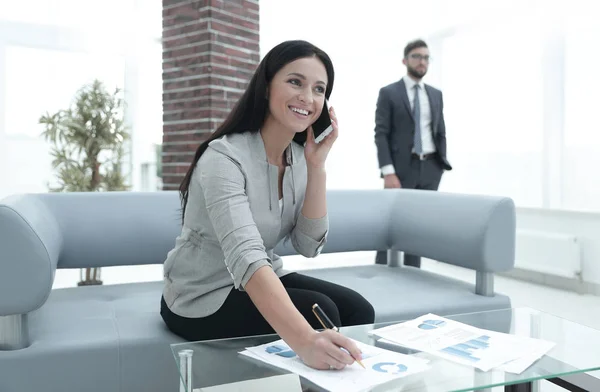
{"x": 583, "y": 309}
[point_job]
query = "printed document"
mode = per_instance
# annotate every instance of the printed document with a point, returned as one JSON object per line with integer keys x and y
{"x": 381, "y": 366}
{"x": 465, "y": 344}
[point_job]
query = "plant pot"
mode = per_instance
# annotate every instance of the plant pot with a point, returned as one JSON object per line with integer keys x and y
{"x": 92, "y": 277}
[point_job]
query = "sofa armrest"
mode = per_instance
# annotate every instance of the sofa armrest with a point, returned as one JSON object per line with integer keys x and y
{"x": 30, "y": 242}
{"x": 471, "y": 231}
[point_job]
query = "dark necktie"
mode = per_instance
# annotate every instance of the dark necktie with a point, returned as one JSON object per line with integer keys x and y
{"x": 418, "y": 144}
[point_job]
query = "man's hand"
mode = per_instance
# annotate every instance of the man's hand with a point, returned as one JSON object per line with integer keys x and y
{"x": 391, "y": 181}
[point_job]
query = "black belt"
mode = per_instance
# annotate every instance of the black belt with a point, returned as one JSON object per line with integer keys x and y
{"x": 424, "y": 157}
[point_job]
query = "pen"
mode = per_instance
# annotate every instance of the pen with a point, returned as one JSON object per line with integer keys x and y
{"x": 328, "y": 324}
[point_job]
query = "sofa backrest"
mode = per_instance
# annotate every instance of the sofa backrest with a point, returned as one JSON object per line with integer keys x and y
{"x": 134, "y": 228}
{"x": 358, "y": 220}
{"x": 42, "y": 232}
{"x": 111, "y": 228}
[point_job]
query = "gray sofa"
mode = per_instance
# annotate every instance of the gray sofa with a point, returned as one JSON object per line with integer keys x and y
{"x": 111, "y": 338}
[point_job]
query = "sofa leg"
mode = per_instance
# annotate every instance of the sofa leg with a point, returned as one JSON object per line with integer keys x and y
{"x": 394, "y": 258}
{"x": 14, "y": 332}
{"x": 484, "y": 283}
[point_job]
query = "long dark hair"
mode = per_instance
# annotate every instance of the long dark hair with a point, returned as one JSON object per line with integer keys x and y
{"x": 249, "y": 113}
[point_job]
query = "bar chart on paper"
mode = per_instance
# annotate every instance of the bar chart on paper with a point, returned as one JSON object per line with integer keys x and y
{"x": 465, "y": 344}
{"x": 468, "y": 350}
{"x": 432, "y": 324}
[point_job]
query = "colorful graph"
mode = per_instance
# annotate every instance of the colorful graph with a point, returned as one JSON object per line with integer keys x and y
{"x": 432, "y": 324}
{"x": 465, "y": 350}
{"x": 281, "y": 350}
{"x": 389, "y": 367}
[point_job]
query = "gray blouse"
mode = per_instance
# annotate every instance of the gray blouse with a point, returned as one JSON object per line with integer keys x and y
{"x": 233, "y": 220}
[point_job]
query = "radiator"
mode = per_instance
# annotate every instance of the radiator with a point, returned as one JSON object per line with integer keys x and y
{"x": 549, "y": 253}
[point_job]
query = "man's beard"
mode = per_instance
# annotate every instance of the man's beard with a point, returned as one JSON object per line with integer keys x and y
{"x": 416, "y": 74}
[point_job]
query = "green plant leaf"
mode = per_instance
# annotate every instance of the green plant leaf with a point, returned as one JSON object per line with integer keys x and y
{"x": 92, "y": 127}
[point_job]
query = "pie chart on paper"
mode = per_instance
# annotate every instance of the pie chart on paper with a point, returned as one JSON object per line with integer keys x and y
{"x": 389, "y": 367}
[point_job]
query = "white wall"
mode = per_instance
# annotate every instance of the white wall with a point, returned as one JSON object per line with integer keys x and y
{"x": 584, "y": 225}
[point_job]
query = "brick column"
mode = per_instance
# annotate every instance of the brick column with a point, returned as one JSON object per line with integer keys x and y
{"x": 210, "y": 51}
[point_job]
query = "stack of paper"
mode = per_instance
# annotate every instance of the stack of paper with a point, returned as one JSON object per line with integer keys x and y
{"x": 284, "y": 382}
{"x": 381, "y": 366}
{"x": 465, "y": 344}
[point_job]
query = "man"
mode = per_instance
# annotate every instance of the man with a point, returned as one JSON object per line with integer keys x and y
{"x": 410, "y": 133}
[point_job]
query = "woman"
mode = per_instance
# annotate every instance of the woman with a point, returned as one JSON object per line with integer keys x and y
{"x": 258, "y": 179}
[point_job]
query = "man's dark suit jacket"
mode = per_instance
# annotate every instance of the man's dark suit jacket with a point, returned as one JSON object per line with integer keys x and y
{"x": 395, "y": 127}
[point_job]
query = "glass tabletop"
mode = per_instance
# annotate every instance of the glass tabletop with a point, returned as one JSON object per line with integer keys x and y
{"x": 216, "y": 362}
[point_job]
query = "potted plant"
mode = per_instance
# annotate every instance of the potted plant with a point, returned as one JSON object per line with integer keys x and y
{"x": 88, "y": 147}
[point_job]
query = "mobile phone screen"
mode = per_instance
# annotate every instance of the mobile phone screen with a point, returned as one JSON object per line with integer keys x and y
{"x": 322, "y": 127}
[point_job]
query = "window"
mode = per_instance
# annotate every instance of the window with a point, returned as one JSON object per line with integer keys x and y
{"x": 69, "y": 13}
{"x": 581, "y": 187}
{"x": 493, "y": 106}
{"x": 48, "y": 50}
{"x": 42, "y": 80}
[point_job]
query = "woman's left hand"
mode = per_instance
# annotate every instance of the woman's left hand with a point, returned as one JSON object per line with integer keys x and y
{"x": 316, "y": 154}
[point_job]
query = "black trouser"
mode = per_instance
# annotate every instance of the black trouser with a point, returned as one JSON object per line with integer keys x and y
{"x": 425, "y": 175}
{"x": 238, "y": 316}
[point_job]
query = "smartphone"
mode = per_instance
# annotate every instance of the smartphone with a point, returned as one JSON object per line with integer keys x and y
{"x": 322, "y": 127}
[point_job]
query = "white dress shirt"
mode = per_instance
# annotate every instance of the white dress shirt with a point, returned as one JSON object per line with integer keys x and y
{"x": 426, "y": 129}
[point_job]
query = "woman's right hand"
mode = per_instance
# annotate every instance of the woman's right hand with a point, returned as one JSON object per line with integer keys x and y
{"x": 323, "y": 350}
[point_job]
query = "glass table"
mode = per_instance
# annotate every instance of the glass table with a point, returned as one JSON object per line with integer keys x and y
{"x": 577, "y": 352}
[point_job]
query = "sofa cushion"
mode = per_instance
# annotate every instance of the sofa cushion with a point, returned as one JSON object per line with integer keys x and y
{"x": 110, "y": 338}
{"x": 405, "y": 293}
{"x": 122, "y": 327}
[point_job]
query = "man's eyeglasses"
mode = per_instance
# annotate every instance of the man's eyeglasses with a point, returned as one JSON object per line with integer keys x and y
{"x": 419, "y": 57}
